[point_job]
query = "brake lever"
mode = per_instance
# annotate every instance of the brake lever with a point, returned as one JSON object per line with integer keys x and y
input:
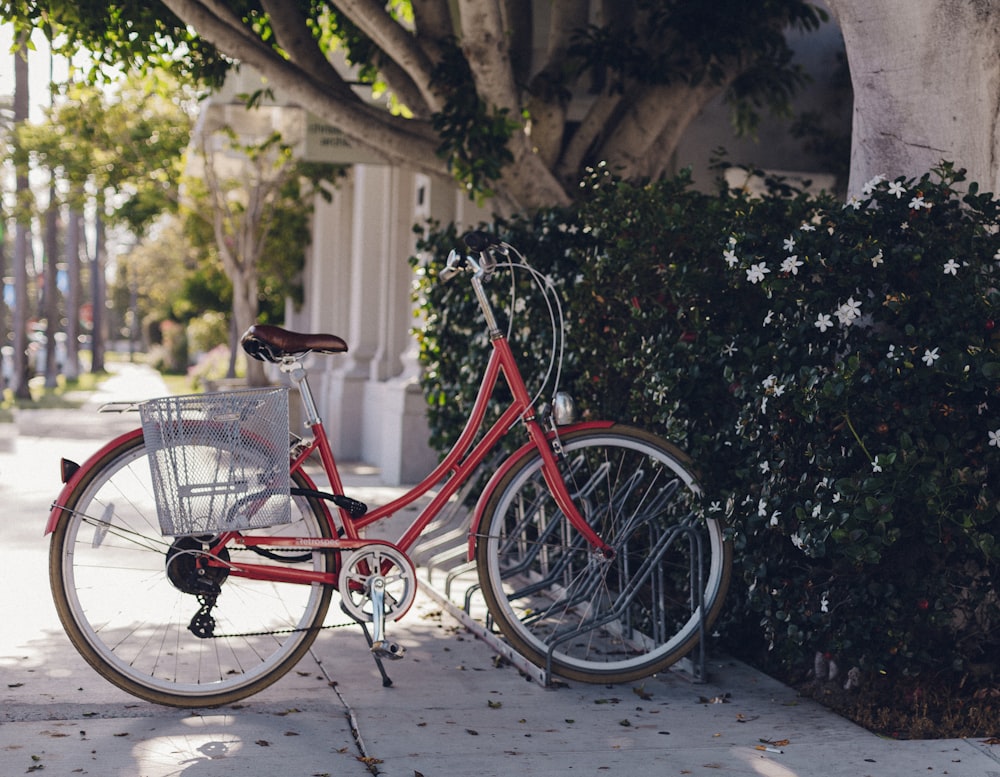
{"x": 453, "y": 266}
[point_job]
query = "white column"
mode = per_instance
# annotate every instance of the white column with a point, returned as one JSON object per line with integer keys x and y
{"x": 401, "y": 438}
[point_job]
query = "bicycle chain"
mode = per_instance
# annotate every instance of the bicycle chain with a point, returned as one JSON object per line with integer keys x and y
{"x": 202, "y": 625}
{"x": 278, "y": 631}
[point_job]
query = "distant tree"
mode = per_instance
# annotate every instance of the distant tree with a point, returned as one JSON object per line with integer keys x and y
{"x": 512, "y": 97}
{"x": 121, "y": 149}
{"x": 253, "y": 198}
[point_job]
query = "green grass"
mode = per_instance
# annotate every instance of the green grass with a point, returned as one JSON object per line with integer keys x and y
{"x": 59, "y": 397}
{"x": 179, "y": 384}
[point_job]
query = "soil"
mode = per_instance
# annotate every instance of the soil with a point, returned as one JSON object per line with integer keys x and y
{"x": 914, "y": 707}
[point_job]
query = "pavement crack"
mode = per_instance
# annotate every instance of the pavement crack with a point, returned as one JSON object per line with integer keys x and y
{"x": 363, "y": 755}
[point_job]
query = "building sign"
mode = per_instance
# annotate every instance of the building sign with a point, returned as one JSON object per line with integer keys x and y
{"x": 325, "y": 143}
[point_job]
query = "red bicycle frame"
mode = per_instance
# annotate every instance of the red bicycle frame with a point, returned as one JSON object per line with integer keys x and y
{"x": 457, "y": 466}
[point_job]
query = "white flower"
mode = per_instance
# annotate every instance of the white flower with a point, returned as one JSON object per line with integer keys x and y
{"x": 715, "y": 507}
{"x": 779, "y": 390}
{"x": 930, "y": 356}
{"x": 877, "y": 259}
{"x": 849, "y": 311}
{"x": 869, "y": 187}
{"x": 918, "y": 202}
{"x": 730, "y": 256}
{"x": 762, "y": 508}
{"x": 769, "y": 317}
{"x": 791, "y": 264}
{"x": 807, "y": 227}
{"x": 765, "y": 467}
{"x": 836, "y": 496}
{"x": 729, "y": 350}
{"x": 824, "y": 603}
{"x": 876, "y": 467}
{"x": 853, "y": 202}
{"x": 774, "y": 518}
{"x": 951, "y": 267}
{"x": 892, "y": 354}
{"x": 769, "y": 382}
{"x": 995, "y": 438}
{"x": 823, "y": 322}
{"x": 896, "y": 188}
{"x": 757, "y": 272}
{"x": 904, "y": 225}
{"x": 789, "y": 244}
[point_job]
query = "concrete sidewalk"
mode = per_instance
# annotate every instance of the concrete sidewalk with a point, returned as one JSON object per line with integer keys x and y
{"x": 453, "y": 710}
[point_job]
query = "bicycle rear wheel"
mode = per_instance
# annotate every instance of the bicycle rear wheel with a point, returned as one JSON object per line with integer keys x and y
{"x": 585, "y": 617}
{"x": 119, "y": 588}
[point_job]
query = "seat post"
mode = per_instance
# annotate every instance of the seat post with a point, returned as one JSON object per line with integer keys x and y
{"x": 292, "y": 366}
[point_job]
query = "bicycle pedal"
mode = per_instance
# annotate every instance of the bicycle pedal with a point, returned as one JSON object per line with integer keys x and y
{"x": 389, "y": 650}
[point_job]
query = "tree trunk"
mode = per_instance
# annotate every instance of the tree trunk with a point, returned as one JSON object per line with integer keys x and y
{"x": 97, "y": 293}
{"x": 926, "y": 79}
{"x": 51, "y": 291}
{"x": 22, "y": 231}
{"x": 245, "y": 307}
{"x": 72, "y": 367}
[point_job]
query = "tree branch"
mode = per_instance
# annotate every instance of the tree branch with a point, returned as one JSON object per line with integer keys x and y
{"x": 433, "y": 23}
{"x": 295, "y": 39}
{"x": 657, "y": 117}
{"x": 588, "y": 135}
{"x": 484, "y": 43}
{"x": 399, "y": 44}
{"x": 400, "y": 141}
{"x": 548, "y": 99}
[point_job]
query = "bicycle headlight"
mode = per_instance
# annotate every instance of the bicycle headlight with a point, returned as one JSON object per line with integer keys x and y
{"x": 563, "y": 409}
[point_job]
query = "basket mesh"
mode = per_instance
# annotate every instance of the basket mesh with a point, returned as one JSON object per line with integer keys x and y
{"x": 219, "y": 462}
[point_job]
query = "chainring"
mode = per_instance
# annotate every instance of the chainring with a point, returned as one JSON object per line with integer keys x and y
{"x": 360, "y": 567}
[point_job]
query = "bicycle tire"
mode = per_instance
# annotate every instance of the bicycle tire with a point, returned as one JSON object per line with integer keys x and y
{"x": 108, "y": 574}
{"x": 595, "y": 620}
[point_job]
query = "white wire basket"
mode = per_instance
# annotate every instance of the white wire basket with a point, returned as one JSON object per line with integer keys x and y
{"x": 219, "y": 461}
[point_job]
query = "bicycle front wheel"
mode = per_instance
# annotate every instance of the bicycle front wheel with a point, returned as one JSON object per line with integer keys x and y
{"x": 585, "y": 617}
{"x": 127, "y": 598}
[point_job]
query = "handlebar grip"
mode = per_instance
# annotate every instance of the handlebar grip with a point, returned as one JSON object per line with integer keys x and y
{"x": 479, "y": 241}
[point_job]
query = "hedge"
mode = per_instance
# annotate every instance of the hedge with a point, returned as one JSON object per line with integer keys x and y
{"x": 834, "y": 370}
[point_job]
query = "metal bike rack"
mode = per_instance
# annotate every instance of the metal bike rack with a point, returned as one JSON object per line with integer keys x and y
{"x": 441, "y": 557}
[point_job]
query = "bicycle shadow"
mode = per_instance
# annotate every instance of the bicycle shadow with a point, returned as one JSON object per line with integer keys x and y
{"x": 58, "y": 714}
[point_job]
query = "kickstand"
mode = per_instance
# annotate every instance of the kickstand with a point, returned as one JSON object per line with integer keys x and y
{"x": 386, "y": 681}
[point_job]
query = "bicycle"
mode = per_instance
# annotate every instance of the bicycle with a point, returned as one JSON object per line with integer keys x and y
{"x": 594, "y": 556}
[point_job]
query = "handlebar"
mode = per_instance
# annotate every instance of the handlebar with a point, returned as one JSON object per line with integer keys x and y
{"x": 481, "y": 243}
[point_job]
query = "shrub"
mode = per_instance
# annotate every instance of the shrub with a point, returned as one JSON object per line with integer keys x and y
{"x": 832, "y": 368}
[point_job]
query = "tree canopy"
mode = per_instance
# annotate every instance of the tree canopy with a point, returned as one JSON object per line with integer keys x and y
{"x": 511, "y": 97}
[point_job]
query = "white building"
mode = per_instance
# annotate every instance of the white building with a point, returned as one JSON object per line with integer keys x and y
{"x": 358, "y": 281}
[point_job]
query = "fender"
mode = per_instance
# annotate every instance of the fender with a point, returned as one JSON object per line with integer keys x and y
{"x": 509, "y": 463}
{"x": 83, "y": 471}
{"x": 98, "y": 457}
